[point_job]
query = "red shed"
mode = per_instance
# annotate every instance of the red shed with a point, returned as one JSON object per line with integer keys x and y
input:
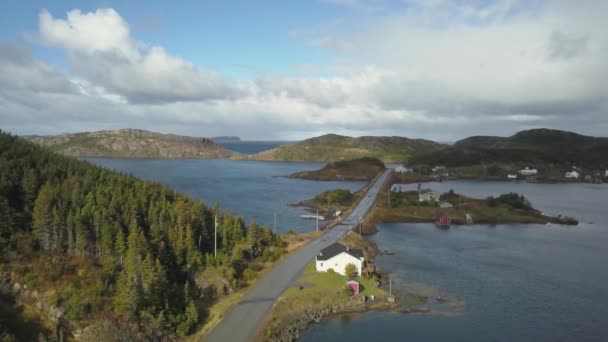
{"x": 443, "y": 221}
{"x": 354, "y": 285}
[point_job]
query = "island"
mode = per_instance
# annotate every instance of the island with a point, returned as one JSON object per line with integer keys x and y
{"x": 221, "y": 139}
{"x": 132, "y": 143}
{"x": 360, "y": 169}
{"x": 428, "y": 206}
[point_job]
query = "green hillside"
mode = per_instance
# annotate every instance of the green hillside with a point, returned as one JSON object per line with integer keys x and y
{"x": 333, "y": 147}
{"x": 537, "y": 146}
{"x": 85, "y": 243}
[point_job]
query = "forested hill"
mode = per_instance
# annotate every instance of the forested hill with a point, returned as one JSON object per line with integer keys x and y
{"x": 333, "y": 147}
{"x": 97, "y": 243}
{"x": 536, "y": 146}
{"x": 132, "y": 143}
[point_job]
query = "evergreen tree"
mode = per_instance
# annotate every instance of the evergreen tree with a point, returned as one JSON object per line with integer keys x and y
{"x": 43, "y": 216}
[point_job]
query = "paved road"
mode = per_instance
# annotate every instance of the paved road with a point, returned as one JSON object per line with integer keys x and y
{"x": 241, "y": 322}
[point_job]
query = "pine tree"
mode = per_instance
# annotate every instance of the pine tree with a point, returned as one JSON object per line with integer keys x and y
{"x": 43, "y": 216}
{"x": 7, "y": 218}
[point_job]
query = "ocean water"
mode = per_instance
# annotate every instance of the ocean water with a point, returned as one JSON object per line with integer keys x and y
{"x": 252, "y": 147}
{"x": 252, "y": 189}
{"x": 503, "y": 283}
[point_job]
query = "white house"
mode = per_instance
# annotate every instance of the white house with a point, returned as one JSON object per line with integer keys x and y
{"x": 428, "y": 195}
{"x": 528, "y": 171}
{"x": 404, "y": 169}
{"x": 573, "y": 175}
{"x": 336, "y": 256}
{"x": 438, "y": 168}
{"x": 511, "y": 176}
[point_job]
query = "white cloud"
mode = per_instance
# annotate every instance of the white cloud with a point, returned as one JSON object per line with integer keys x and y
{"x": 102, "y": 50}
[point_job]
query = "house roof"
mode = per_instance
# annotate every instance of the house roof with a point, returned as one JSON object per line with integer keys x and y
{"x": 335, "y": 249}
{"x": 426, "y": 191}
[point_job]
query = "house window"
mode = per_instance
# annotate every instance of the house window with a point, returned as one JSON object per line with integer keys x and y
{"x": 336, "y": 265}
{"x": 321, "y": 264}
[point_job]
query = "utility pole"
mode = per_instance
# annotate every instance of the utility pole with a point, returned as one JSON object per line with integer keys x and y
{"x": 390, "y": 286}
{"x": 317, "y": 220}
{"x": 275, "y": 223}
{"x": 388, "y": 193}
{"x": 215, "y": 243}
{"x": 360, "y": 225}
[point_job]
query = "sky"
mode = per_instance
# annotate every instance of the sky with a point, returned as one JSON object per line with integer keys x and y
{"x": 288, "y": 70}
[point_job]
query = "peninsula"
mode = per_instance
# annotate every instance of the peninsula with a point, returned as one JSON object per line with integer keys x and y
{"x": 132, "y": 143}
{"x": 334, "y": 147}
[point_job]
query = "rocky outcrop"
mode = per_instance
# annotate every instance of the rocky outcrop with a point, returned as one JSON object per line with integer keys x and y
{"x": 291, "y": 328}
{"x": 132, "y": 143}
{"x": 53, "y": 315}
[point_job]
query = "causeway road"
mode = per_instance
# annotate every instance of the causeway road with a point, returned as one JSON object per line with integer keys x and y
{"x": 241, "y": 322}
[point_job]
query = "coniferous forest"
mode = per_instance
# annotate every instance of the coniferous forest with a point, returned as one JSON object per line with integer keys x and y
{"x": 104, "y": 244}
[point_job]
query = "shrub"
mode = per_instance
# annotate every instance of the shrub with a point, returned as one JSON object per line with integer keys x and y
{"x": 331, "y": 271}
{"x": 346, "y": 291}
{"x": 249, "y": 275}
{"x": 350, "y": 271}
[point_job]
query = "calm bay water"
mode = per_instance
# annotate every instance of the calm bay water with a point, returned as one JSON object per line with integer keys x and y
{"x": 252, "y": 147}
{"x": 247, "y": 188}
{"x": 504, "y": 283}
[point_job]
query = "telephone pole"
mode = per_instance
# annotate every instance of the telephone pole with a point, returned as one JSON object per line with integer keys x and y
{"x": 360, "y": 225}
{"x": 275, "y": 223}
{"x": 317, "y": 220}
{"x": 215, "y": 243}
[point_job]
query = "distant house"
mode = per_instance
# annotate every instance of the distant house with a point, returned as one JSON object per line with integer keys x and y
{"x": 511, "y": 176}
{"x": 572, "y": 175}
{"x": 528, "y": 171}
{"x": 428, "y": 195}
{"x": 336, "y": 256}
{"x": 404, "y": 169}
{"x": 606, "y": 175}
{"x": 438, "y": 168}
{"x": 353, "y": 285}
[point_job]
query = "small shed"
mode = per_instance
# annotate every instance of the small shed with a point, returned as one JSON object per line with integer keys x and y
{"x": 443, "y": 220}
{"x": 572, "y": 174}
{"x": 353, "y": 285}
{"x": 403, "y": 169}
{"x": 445, "y": 205}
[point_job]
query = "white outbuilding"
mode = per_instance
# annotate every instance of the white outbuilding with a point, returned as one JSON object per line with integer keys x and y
{"x": 404, "y": 169}
{"x": 572, "y": 175}
{"x": 528, "y": 171}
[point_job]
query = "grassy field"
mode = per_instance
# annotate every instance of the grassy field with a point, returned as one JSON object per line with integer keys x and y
{"x": 319, "y": 285}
